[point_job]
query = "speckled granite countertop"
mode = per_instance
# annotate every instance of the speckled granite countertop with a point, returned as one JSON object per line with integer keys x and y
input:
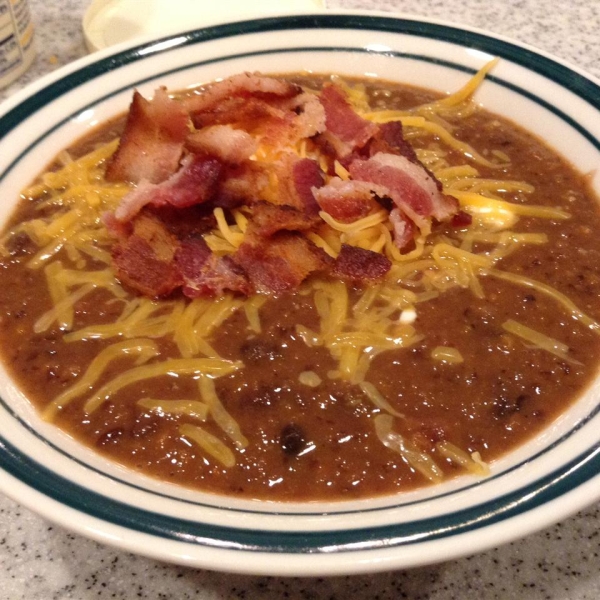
{"x": 40, "y": 561}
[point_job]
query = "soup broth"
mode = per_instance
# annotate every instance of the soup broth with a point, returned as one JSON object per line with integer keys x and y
{"x": 479, "y": 335}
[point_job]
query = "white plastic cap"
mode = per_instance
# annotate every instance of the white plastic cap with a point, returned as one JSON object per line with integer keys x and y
{"x": 108, "y": 22}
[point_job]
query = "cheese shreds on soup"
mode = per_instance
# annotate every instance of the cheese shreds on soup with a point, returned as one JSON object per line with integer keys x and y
{"x": 304, "y": 287}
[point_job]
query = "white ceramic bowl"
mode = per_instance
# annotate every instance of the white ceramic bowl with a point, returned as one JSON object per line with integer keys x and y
{"x": 541, "y": 482}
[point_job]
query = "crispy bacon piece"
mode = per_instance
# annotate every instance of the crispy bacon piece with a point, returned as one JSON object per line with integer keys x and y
{"x": 115, "y": 227}
{"x": 278, "y": 122}
{"x": 245, "y": 152}
{"x": 307, "y": 177}
{"x": 184, "y": 223}
{"x": 310, "y": 113}
{"x": 461, "y": 219}
{"x": 240, "y": 184}
{"x": 277, "y": 112}
{"x": 300, "y": 117}
{"x": 152, "y": 142}
{"x": 195, "y": 183}
{"x": 244, "y": 113}
{"x": 346, "y": 130}
{"x": 412, "y": 189}
{"x": 205, "y": 274}
{"x": 145, "y": 260}
{"x": 357, "y": 264}
{"x": 224, "y": 142}
{"x": 346, "y": 201}
{"x": 296, "y": 178}
{"x": 390, "y": 139}
{"x": 280, "y": 263}
{"x": 250, "y": 101}
{"x": 243, "y": 85}
{"x": 267, "y": 219}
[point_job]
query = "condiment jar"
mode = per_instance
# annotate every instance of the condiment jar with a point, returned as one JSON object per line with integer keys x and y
{"x": 16, "y": 40}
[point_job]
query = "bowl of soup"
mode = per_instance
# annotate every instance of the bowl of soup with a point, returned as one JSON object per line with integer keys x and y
{"x": 303, "y": 295}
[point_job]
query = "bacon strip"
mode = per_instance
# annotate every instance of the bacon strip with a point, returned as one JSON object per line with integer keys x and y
{"x": 296, "y": 178}
{"x": 240, "y": 184}
{"x": 195, "y": 183}
{"x": 280, "y": 263}
{"x": 291, "y": 120}
{"x": 346, "y": 201}
{"x": 224, "y": 142}
{"x": 145, "y": 260}
{"x": 252, "y": 102}
{"x": 152, "y": 142}
{"x": 205, "y": 274}
{"x": 311, "y": 118}
{"x": 307, "y": 177}
{"x": 245, "y": 113}
{"x": 390, "y": 139}
{"x": 346, "y": 130}
{"x": 412, "y": 189}
{"x": 267, "y": 219}
{"x": 279, "y": 122}
{"x": 357, "y": 264}
{"x": 245, "y": 152}
{"x": 243, "y": 85}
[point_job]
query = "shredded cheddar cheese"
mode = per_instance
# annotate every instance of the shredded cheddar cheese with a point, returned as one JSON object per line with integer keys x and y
{"x": 212, "y": 445}
{"x": 309, "y": 378}
{"x": 142, "y": 349}
{"x": 446, "y": 354}
{"x": 459, "y": 457}
{"x": 420, "y": 461}
{"x": 217, "y": 411}
{"x": 539, "y": 340}
{"x": 174, "y": 366}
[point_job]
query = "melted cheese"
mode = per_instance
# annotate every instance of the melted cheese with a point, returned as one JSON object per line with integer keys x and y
{"x": 539, "y": 340}
{"x": 141, "y": 350}
{"x": 212, "y": 445}
{"x": 174, "y": 366}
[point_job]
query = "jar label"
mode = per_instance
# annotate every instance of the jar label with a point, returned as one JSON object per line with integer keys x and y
{"x": 16, "y": 39}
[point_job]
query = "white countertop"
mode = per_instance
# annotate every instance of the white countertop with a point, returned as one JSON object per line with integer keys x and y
{"x": 41, "y": 561}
